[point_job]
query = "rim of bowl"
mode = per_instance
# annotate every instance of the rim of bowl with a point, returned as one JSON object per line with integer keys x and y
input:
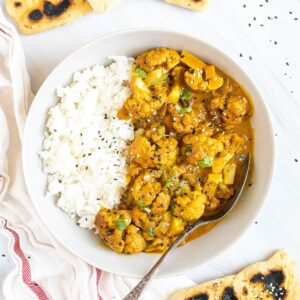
{"x": 268, "y": 183}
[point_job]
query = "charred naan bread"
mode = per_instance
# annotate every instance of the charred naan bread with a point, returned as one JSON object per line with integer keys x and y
{"x": 270, "y": 280}
{"x": 198, "y": 5}
{"x": 33, "y": 16}
{"x": 100, "y": 6}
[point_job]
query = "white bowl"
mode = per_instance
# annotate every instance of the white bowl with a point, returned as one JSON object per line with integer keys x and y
{"x": 85, "y": 244}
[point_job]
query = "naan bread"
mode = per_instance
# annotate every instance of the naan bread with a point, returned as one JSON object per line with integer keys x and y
{"x": 271, "y": 280}
{"x": 33, "y": 16}
{"x": 100, "y": 6}
{"x": 198, "y": 5}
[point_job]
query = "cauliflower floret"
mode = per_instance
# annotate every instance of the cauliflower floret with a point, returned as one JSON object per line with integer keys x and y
{"x": 167, "y": 152}
{"x": 216, "y": 103}
{"x": 140, "y": 218}
{"x": 160, "y": 244}
{"x": 156, "y": 132}
{"x": 161, "y": 203}
{"x": 111, "y": 224}
{"x": 190, "y": 206}
{"x": 146, "y": 187}
{"x": 199, "y": 146}
{"x": 164, "y": 153}
{"x": 233, "y": 143}
{"x": 236, "y": 108}
{"x": 134, "y": 241}
{"x": 186, "y": 121}
{"x": 142, "y": 152}
{"x": 145, "y": 101}
{"x": 195, "y": 81}
{"x": 158, "y": 57}
{"x": 176, "y": 226}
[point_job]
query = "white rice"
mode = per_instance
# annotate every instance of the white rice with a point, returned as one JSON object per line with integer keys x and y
{"x": 84, "y": 151}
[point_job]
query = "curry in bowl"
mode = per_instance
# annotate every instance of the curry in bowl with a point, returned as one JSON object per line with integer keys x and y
{"x": 192, "y": 132}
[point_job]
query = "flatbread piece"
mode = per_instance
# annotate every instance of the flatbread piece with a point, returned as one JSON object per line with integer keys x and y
{"x": 34, "y": 16}
{"x": 274, "y": 279}
{"x": 100, "y": 6}
{"x": 198, "y": 5}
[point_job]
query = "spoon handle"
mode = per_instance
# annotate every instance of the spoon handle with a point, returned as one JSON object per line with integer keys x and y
{"x": 140, "y": 287}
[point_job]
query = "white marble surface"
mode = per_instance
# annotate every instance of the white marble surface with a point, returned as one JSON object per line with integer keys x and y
{"x": 273, "y": 43}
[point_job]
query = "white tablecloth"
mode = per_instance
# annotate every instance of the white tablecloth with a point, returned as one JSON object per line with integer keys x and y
{"x": 264, "y": 38}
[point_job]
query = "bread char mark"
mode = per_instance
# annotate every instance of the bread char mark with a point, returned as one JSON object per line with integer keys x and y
{"x": 272, "y": 283}
{"x": 229, "y": 294}
{"x": 50, "y": 10}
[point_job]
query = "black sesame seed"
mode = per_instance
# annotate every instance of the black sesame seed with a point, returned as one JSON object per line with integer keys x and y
{"x": 89, "y": 154}
{"x": 290, "y": 12}
{"x": 78, "y": 223}
{"x": 83, "y": 155}
{"x": 250, "y": 57}
{"x": 276, "y": 134}
{"x": 28, "y": 257}
{"x": 296, "y": 19}
{"x": 82, "y": 143}
{"x": 241, "y": 55}
{"x": 250, "y": 184}
{"x": 275, "y": 42}
{"x": 76, "y": 166}
{"x": 54, "y": 130}
{"x": 275, "y": 17}
{"x": 287, "y": 63}
{"x": 99, "y": 148}
{"x": 86, "y": 219}
{"x": 256, "y": 222}
{"x": 249, "y": 24}
{"x": 3, "y": 255}
{"x": 296, "y": 160}
{"x": 86, "y": 168}
{"x": 102, "y": 139}
{"x": 261, "y": 5}
{"x": 59, "y": 181}
{"x": 244, "y": 6}
{"x": 80, "y": 134}
{"x": 254, "y": 18}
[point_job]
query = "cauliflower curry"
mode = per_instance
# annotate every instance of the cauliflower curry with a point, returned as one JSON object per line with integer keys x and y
{"x": 192, "y": 133}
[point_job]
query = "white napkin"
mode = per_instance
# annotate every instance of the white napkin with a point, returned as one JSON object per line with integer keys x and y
{"x": 44, "y": 268}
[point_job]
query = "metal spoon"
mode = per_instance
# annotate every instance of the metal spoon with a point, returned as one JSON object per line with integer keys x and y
{"x": 220, "y": 214}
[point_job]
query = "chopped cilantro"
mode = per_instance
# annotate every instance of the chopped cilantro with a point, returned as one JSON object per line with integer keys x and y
{"x": 205, "y": 163}
{"x": 120, "y": 224}
{"x": 141, "y": 72}
{"x": 143, "y": 206}
{"x": 183, "y": 110}
{"x": 169, "y": 182}
{"x": 151, "y": 232}
{"x": 186, "y": 94}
